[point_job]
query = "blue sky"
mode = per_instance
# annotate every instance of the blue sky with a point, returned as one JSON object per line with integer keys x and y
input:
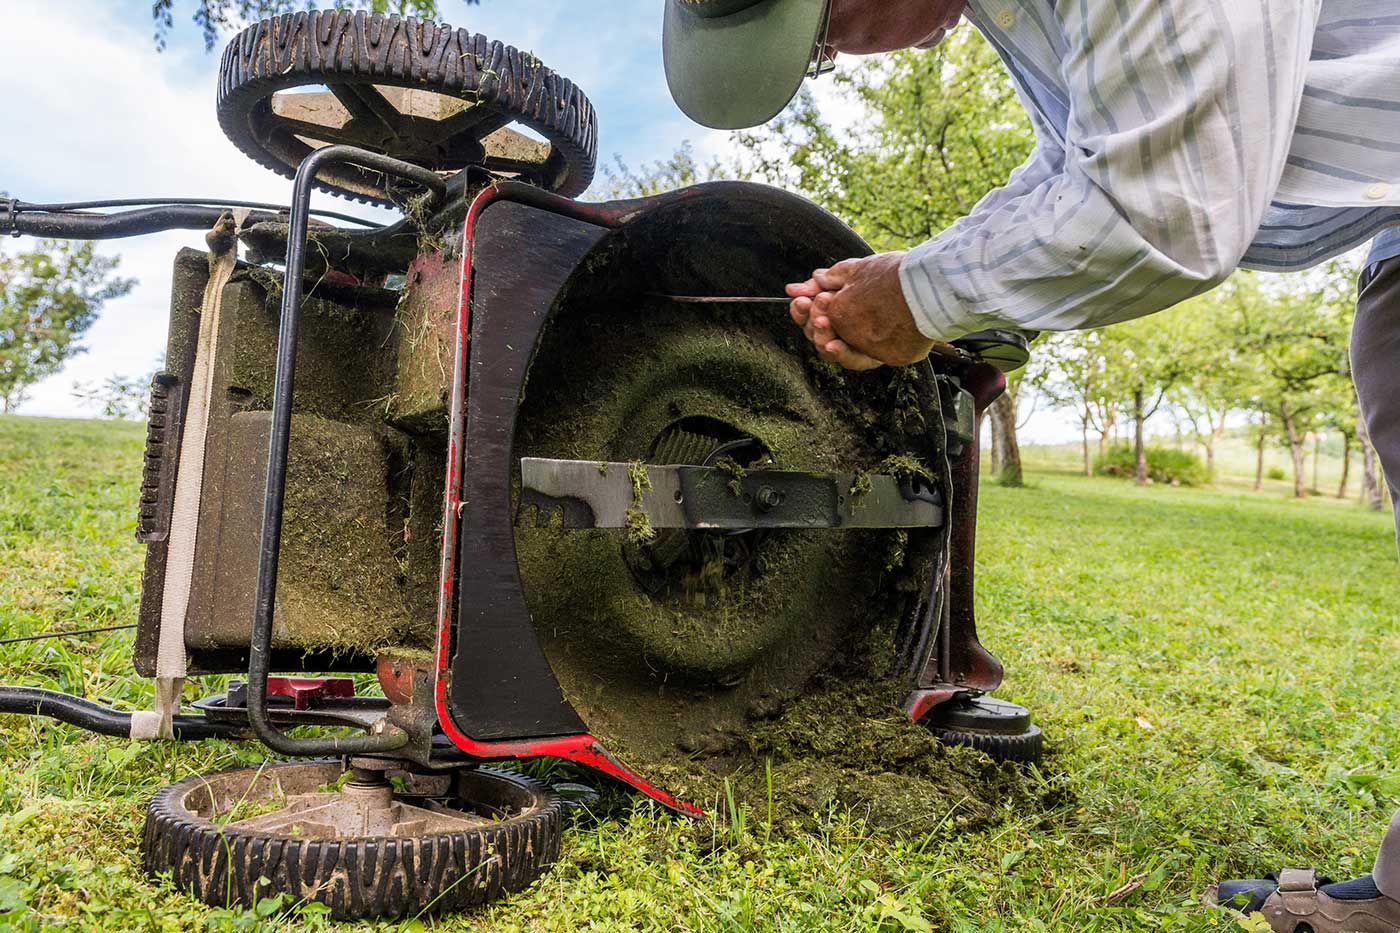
{"x": 93, "y": 110}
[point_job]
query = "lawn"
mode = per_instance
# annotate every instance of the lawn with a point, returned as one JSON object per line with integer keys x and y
{"x": 1215, "y": 672}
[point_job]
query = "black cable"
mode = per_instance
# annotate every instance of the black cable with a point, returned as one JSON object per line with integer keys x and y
{"x": 65, "y": 206}
{"x": 80, "y": 631}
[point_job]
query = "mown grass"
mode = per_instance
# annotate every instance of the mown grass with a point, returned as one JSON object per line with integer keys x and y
{"x": 1216, "y": 674}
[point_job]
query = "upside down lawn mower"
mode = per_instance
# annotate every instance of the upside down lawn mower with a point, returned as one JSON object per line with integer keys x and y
{"x": 496, "y": 453}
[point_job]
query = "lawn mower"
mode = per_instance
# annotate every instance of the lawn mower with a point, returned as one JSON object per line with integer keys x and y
{"x": 496, "y": 454}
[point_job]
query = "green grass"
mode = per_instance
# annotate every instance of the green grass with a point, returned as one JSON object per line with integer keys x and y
{"x": 1215, "y": 672}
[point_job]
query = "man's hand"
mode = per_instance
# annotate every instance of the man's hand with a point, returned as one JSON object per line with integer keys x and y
{"x": 855, "y": 314}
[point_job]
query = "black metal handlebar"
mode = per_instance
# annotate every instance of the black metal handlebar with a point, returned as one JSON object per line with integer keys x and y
{"x": 94, "y": 717}
{"x": 260, "y": 648}
{"x": 77, "y": 221}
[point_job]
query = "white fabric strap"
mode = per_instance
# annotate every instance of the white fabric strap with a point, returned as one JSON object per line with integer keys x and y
{"x": 171, "y": 660}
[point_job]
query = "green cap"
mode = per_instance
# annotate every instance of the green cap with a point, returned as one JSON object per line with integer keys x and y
{"x": 737, "y": 63}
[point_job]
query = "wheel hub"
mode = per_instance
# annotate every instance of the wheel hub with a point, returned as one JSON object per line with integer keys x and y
{"x": 697, "y": 565}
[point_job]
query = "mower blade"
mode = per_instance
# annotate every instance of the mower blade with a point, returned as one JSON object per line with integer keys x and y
{"x": 589, "y": 494}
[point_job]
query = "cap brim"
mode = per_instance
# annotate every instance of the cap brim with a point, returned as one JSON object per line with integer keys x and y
{"x": 736, "y": 71}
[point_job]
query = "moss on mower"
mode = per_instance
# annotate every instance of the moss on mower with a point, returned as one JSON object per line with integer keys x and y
{"x": 639, "y": 530}
{"x": 343, "y": 585}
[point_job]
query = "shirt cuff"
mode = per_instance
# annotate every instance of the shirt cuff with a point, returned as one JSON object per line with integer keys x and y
{"x": 937, "y": 313}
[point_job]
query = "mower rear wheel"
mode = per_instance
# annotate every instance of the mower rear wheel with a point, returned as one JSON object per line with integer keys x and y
{"x": 438, "y": 843}
{"x": 1001, "y": 730}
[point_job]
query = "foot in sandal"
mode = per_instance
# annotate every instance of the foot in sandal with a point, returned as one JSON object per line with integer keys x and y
{"x": 1298, "y": 901}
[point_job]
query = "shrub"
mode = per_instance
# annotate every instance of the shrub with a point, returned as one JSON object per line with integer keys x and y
{"x": 1275, "y": 473}
{"x": 1164, "y": 465}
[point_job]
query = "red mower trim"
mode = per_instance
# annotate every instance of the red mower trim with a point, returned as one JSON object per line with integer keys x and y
{"x": 584, "y": 748}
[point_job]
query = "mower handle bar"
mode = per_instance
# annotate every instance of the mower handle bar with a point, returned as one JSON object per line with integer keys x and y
{"x": 94, "y": 717}
{"x": 388, "y": 737}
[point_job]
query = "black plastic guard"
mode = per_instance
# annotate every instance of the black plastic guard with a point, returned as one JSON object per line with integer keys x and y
{"x": 502, "y": 685}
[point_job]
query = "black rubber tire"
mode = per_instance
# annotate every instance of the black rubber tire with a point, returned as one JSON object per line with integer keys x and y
{"x": 357, "y": 878}
{"x": 1025, "y": 747}
{"x": 318, "y": 47}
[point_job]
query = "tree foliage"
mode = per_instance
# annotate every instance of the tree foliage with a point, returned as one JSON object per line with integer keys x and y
{"x": 933, "y": 132}
{"x": 49, "y": 297}
{"x": 681, "y": 170}
{"x": 219, "y": 17}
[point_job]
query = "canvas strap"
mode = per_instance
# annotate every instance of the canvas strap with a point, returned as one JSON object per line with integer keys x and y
{"x": 171, "y": 659}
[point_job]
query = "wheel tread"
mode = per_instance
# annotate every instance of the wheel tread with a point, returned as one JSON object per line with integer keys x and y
{"x": 356, "y": 878}
{"x": 297, "y": 48}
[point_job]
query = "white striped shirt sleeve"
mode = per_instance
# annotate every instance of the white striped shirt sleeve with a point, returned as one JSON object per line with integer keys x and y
{"x": 1181, "y": 114}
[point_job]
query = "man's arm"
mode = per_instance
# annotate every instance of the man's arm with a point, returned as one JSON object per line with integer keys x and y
{"x": 887, "y": 332}
{"x": 1182, "y": 113}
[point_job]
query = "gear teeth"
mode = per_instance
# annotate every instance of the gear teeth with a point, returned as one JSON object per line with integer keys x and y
{"x": 1027, "y": 747}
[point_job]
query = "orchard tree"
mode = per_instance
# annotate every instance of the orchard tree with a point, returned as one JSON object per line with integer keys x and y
{"x": 681, "y": 170}
{"x": 1297, "y": 334}
{"x": 1073, "y": 372}
{"x": 1148, "y": 358}
{"x": 934, "y": 131}
{"x": 48, "y": 299}
{"x": 1217, "y": 377}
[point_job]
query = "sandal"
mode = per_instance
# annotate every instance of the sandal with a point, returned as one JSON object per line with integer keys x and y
{"x": 1298, "y": 901}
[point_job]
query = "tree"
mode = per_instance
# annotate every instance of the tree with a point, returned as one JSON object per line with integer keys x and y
{"x": 1217, "y": 376}
{"x": 1073, "y": 372}
{"x": 121, "y": 398}
{"x": 679, "y": 171}
{"x": 936, "y": 130}
{"x": 1147, "y": 358}
{"x": 48, "y": 299}
{"x": 1293, "y": 337}
{"x": 1005, "y": 419}
{"x": 214, "y": 17}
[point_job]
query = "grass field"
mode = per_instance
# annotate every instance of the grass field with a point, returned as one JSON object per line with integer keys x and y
{"x": 1215, "y": 672}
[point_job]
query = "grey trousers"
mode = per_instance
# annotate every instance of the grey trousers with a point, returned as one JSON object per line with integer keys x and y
{"x": 1375, "y": 365}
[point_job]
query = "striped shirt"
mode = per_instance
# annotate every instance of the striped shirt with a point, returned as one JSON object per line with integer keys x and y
{"x": 1176, "y": 140}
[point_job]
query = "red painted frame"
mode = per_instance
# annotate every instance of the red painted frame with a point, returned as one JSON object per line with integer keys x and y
{"x": 584, "y": 748}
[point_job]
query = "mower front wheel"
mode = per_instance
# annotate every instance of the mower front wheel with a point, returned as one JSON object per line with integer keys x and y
{"x": 388, "y": 845}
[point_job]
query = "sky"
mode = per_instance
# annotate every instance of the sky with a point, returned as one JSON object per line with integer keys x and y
{"x": 94, "y": 111}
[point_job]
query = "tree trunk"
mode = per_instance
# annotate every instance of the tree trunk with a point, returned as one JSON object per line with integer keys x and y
{"x": 1009, "y": 455}
{"x": 1346, "y": 466}
{"x": 1084, "y": 436}
{"x": 1370, "y": 483}
{"x": 1139, "y": 448}
{"x": 1317, "y": 453}
{"x": 1295, "y": 450}
{"x": 994, "y": 419}
{"x": 1106, "y": 432}
{"x": 1217, "y": 433}
{"x": 1259, "y": 461}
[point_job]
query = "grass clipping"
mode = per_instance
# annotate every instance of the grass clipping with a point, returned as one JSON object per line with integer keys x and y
{"x": 639, "y": 530}
{"x": 847, "y": 746}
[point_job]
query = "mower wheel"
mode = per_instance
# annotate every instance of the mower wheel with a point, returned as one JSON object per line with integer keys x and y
{"x": 436, "y": 843}
{"x": 1001, "y": 730}
{"x": 424, "y": 92}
